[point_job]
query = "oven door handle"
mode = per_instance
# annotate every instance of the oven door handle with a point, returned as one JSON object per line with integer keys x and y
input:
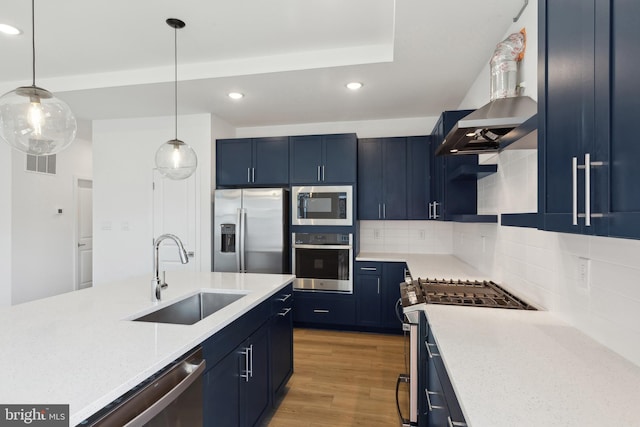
{"x": 402, "y": 378}
{"x": 322, "y": 247}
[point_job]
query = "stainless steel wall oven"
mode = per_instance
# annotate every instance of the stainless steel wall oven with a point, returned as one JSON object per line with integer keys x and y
{"x": 323, "y": 261}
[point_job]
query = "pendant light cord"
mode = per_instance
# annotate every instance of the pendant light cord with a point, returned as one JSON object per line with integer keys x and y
{"x": 33, "y": 41}
{"x": 175, "y": 85}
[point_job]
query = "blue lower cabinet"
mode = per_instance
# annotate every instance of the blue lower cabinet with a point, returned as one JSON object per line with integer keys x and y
{"x": 324, "y": 308}
{"x": 377, "y": 292}
{"x": 247, "y": 363}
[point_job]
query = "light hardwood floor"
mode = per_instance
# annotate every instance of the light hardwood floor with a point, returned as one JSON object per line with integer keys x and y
{"x": 342, "y": 379}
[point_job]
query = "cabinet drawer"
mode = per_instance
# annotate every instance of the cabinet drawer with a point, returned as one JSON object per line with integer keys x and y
{"x": 325, "y": 309}
{"x": 369, "y": 267}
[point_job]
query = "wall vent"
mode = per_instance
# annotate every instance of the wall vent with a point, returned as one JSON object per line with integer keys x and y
{"x": 42, "y": 164}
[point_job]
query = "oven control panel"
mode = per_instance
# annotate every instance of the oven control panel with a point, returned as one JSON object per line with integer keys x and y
{"x": 321, "y": 239}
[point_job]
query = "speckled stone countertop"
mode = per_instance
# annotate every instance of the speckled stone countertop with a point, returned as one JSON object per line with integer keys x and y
{"x": 79, "y": 348}
{"x": 529, "y": 369}
{"x": 425, "y": 265}
{"x": 523, "y": 368}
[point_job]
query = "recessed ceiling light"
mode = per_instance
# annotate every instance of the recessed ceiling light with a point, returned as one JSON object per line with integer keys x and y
{"x": 236, "y": 95}
{"x": 354, "y": 85}
{"x": 8, "y": 29}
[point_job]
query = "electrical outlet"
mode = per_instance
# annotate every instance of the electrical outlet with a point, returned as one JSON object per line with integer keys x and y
{"x": 422, "y": 235}
{"x": 584, "y": 273}
{"x": 376, "y": 234}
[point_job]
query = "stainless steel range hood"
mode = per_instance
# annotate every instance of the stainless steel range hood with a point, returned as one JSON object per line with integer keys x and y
{"x": 482, "y": 130}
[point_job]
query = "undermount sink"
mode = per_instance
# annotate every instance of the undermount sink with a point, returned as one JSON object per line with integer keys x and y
{"x": 192, "y": 309}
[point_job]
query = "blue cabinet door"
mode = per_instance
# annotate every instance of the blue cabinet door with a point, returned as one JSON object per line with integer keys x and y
{"x": 233, "y": 162}
{"x": 255, "y": 391}
{"x": 222, "y": 392}
{"x": 382, "y": 179}
{"x": 566, "y": 110}
{"x": 370, "y": 179}
{"x": 394, "y": 178}
{"x": 393, "y": 274}
{"x": 418, "y": 177}
{"x": 305, "y": 159}
{"x": 323, "y": 159}
{"x": 368, "y": 299}
{"x": 270, "y": 161}
{"x": 339, "y": 159}
{"x": 619, "y": 82}
{"x": 281, "y": 340}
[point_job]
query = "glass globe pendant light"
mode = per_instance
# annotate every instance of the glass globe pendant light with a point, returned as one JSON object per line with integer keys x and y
{"x": 175, "y": 159}
{"x": 32, "y": 120}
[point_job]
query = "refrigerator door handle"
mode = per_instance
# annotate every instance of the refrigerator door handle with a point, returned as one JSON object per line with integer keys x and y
{"x": 243, "y": 235}
{"x": 239, "y": 239}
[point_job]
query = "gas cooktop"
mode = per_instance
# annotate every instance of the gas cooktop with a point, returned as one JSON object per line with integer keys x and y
{"x": 459, "y": 292}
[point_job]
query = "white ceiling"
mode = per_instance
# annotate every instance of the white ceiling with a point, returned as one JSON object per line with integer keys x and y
{"x": 292, "y": 58}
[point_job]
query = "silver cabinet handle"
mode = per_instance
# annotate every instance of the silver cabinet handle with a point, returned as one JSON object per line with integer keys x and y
{"x": 253, "y": 174}
{"x": 248, "y": 174}
{"x": 378, "y": 286}
{"x": 431, "y": 355}
{"x": 318, "y": 173}
{"x": 318, "y": 310}
{"x": 284, "y": 297}
{"x": 369, "y": 268}
{"x": 285, "y": 312}
{"x": 251, "y": 361}
{"x": 384, "y": 211}
{"x": 455, "y": 423}
{"x": 429, "y": 215}
{"x": 429, "y": 405}
{"x": 322, "y": 172}
{"x": 574, "y": 173}
{"x": 435, "y": 210}
{"x": 246, "y": 355}
{"x": 587, "y": 189}
{"x": 379, "y": 211}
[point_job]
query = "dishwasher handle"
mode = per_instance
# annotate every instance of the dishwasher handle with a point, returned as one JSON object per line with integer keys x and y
{"x": 160, "y": 404}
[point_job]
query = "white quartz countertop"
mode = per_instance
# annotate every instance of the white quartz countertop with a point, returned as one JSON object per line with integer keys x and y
{"x": 427, "y": 265}
{"x": 528, "y": 368}
{"x": 79, "y": 348}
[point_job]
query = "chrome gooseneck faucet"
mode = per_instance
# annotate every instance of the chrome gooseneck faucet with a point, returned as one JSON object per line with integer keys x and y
{"x": 158, "y": 284}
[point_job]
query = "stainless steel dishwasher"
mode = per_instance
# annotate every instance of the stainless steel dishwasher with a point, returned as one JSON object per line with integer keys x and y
{"x": 170, "y": 398}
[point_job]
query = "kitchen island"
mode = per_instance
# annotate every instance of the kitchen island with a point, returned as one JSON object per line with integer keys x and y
{"x": 521, "y": 367}
{"x": 81, "y": 349}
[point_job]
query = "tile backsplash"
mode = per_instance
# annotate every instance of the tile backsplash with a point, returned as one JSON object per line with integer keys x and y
{"x": 421, "y": 237}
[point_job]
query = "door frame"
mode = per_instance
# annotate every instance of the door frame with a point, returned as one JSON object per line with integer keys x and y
{"x": 76, "y": 220}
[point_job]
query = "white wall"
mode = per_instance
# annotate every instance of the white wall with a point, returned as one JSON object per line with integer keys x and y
{"x": 5, "y": 225}
{"x": 543, "y": 267}
{"x": 43, "y": 242}
{"x": 124, "y": 153}
{"x": 364, "y": 129}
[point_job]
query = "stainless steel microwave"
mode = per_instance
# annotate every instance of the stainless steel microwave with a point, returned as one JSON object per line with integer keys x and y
{"x": 322, "y": 205}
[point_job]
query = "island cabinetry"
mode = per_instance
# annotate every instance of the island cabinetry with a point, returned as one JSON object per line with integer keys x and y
{"x": 281, "y": 339}
{"x": 247, "y": 362}
{"x": 248, "y": 162}
{"x": 324, "y": 309}
{"x": 323, "y": 159}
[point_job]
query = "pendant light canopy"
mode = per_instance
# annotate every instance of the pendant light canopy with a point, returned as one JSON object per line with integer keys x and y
{"x": 175, "y": 159}
{"x": 32, "y": 120}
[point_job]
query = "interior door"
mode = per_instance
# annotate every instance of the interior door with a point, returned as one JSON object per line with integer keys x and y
{"x": 84, "y": 224}
{"x": 175, "y": 211}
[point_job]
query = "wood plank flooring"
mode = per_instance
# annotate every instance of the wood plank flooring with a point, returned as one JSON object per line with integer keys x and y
{"x": 342, "y": 379}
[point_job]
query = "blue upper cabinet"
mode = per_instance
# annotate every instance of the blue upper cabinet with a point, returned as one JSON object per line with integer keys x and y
{"x": 252, "y": 162}
{"x": 382, "y": 179}
{"x": 454, "y": 185}
{"x": 323, "y": 159}
{"x": 418, "y": 177}
{"x": 587, "y": 152}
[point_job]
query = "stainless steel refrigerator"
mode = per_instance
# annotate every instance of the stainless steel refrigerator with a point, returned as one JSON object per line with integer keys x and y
{"x": 251, "y": 230}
